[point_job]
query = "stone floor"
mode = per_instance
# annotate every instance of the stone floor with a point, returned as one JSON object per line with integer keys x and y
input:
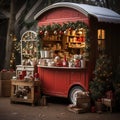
{"x": 56, "y": 109}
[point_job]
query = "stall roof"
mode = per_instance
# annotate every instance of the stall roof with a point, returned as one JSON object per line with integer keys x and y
{"x": 102, "y": 14}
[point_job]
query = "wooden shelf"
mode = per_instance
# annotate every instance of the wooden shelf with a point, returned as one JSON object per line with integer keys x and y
{"x": 29, "y": 46}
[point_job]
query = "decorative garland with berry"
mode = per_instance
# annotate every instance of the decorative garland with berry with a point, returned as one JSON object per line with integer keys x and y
{"x": 57, "y": 29}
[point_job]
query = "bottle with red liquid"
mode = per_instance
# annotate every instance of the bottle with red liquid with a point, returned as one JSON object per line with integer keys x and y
{"x": 77, "y": 63}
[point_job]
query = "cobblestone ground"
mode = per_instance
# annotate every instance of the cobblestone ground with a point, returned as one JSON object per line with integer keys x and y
{"x": 55, "y": 110}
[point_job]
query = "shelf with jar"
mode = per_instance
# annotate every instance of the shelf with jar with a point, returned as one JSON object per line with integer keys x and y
{"x": 52, "y": 42}
{"x": 29, "y": 47}
{"x": 76, "y": 39}
{"x": 76, "y": 45}
{"x": 29, "y": 55}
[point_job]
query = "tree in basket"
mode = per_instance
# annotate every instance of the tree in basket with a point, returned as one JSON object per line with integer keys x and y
{"x": 102, "y": 81}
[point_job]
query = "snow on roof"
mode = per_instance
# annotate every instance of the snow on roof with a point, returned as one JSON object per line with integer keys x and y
{"x": 102, "y": 14}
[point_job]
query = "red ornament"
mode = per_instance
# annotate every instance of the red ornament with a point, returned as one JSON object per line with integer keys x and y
{"x": 41, "y": 32}
{"x": 60, "y": 32}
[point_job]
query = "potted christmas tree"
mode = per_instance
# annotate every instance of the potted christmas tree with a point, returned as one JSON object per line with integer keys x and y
{"x": 102, "y": 81}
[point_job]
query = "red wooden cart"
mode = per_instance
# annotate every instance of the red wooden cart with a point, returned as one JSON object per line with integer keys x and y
{"x": 104, "y": 32}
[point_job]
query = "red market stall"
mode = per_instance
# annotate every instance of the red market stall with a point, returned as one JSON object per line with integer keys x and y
{"x": 79, "y": 33}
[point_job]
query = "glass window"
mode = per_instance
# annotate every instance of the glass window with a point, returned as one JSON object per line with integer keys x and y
{"x": 101, "y": 39}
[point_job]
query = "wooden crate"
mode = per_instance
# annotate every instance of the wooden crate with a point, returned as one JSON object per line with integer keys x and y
{"x": 5, "y": 82}
{"x": 5, "y": 88}
{"x": 7, "y": 75}
{"x": 83, "y": 103}
{"x": 32, "y": 97}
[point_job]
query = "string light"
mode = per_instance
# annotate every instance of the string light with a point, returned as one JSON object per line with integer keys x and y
{"x": 15, "y": 48}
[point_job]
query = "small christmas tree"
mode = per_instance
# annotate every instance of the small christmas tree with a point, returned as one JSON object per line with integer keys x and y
{"x": 102, "y": 81}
